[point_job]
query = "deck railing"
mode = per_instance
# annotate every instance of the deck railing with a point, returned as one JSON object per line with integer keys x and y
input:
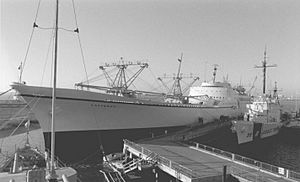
{"x": 164, "y": 161}
{"x": 252, "y": 176}
{"x": 279, "y": 171}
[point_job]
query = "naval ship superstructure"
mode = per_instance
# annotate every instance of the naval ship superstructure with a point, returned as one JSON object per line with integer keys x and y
{"x": 263, "y": 116}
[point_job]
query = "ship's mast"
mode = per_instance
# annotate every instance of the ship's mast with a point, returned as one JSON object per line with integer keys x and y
{"x": 176, "y": 90}
{"x": 264, "y": 66}
{"x": 177, "y": 87}
{"x": 52, "y": 177}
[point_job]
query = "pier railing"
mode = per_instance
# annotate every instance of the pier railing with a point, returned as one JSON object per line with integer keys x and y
{"x": 258, "y": 165}
{"x": 250, "y": 175}
{"x": 180, "y": 169}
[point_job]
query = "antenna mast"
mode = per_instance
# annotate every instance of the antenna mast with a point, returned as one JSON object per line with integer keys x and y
{"x": 21, "y": 70}
{"x": 264, "y": 66}
{"x": 215, "y": 72}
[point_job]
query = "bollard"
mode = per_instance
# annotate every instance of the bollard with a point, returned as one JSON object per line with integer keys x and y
{"x": 224, "y": 173}
{"x": 16, "y": 164}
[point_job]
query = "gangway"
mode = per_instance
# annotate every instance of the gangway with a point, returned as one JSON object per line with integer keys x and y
{"x": 135, "y": 163}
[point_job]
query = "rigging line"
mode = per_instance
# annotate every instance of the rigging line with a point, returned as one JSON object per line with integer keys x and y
{"x": 126, "y": 75}
{"x": 68, "y": 30}
{"x": 37, "y": 11}
{"x": 14, "y": 116}
{"x": 155, "y": 77}
{"x": 12, "y": 133}
{"x": 75, "y": 16}
{"x": 44, "y": 28}
{"x": 81, "y": 50}
{"x": 47, "y": 56}
{"x": 91, "y": 78}
{"x": 82, "y": 56}
{"x": 94, "y": 79}
{"x": 6, "y": 91}
{"x": 143, "y": 81}
{"x": 30, "y": 39}
{"x": 25, "y": 58}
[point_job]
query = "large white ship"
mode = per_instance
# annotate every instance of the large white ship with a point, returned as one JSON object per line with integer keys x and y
{"x": 13, "y": 112}
{"x": 88, "y": 119}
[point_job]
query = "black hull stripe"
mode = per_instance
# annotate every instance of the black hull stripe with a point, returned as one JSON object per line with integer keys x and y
{"x": 132, "y": 103}
{"x": 88, "y": 143}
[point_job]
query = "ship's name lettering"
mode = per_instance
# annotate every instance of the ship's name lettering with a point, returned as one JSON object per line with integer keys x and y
{"x": 103, "y": 105}
{"x": 270, "y": 130}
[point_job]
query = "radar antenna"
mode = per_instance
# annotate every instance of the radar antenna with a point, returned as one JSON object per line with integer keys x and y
{"x": 275, "y": 91}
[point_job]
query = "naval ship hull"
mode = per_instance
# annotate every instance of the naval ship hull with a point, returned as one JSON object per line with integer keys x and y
{"x": 252, "y": 131}
{"x": 87, "y": 119}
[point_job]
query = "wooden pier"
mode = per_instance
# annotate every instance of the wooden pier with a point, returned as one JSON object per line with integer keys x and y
{"x": 196, "y": 162}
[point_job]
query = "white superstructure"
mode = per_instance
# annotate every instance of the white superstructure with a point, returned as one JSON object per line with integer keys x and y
{"x": 221, "y": 92}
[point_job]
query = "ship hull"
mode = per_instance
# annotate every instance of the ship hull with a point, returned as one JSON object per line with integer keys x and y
{"x": 92, "y": 114}
{"x": 13, "y": 112}
{"x": 88, "y": 147}
{"x": 252, "y": 131}
{"x": 78, "y": 110}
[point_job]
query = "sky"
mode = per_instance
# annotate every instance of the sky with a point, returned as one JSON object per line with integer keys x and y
{"x": 230, "y": 33}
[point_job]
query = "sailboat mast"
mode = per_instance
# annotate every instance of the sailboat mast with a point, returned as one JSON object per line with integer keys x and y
{"x": 54, "y": 93}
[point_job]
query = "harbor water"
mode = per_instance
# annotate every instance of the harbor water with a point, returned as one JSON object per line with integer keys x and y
{"x": 281, "y": 150}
